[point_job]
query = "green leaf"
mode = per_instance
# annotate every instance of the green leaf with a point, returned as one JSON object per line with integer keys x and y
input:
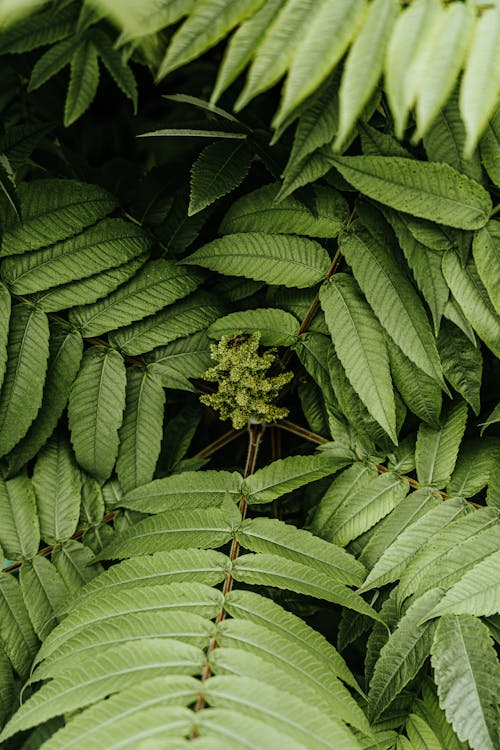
{"x": 421, "y": 735}
{"x": 57, "y": 484}
{"x": 481, "y": 79}
{"x": 404, "y": 58}
{"x": 51, "y": 62}
{"x": 462, "y": 363}
{"x": 420, "y": 393}
{"x": 437, "y": 448}
{"x": 16, "y": 631}
{"x": 87, "y": 290}
{"x": 54, "y": 210}
{"x": 129, "y": 664}
{"x": 442, "y": 560}
{"x": 354, "y": 480}
{"x": 476, "y": 462}
{"x": 392, "y": 297}
{"x": 324, "y": 215}
{"x": 316, "y": 126}
{"x": 140, "y": 20}
{"x": 158, "y": 284}
{"x": 486, "y": 252}
{"x": 476, "y": 593}
{"x": 271, "y": 535}
{"x": 467, "y": 675}
{"x": 314, "y": 351}
{"x": 426, "y": 189}
{"x": 272, "y": 570}
{"x": 206, "y": 528}
{"x": 185, "y": 358}
{"x": 44, "y": 593}
{"x": 488, "y": 147}
{"x": 395, "y": 558}
{"x": 328, "y": 32}
{"x": 103, "y": 605}
{"x": 121, "y": 717}
{"x": 217, "y": 171}
{"x": 208, "y": 22}
{"x": 375, "y": 143}
{"x": 454, "y": 313}
{"x": 6, "y": 687}
{"x": 243, "y": 45}
{"x": 410, "y": 509}
{"x": 249, "y": 649}
{"x": 276, "y": 50}
{"x": 142, "y": 429}
{"x": 403, "y": 654}
{"x": 93, "y": 506}
{"x": 19, "y": 533}
{"x": 115, "y": 63}
{"x": 95, "y": 410}
{"x": 492, "y": 418}
{"x": 202, "y": 104}
{"x": 251, "y": 606}
{"x": 445, "y": 138}
{"x": 365, "y": 508}
{"x": 74, "y": 564}
{"x": 109, "y": 243}
{"x": 427, "y": 706}
{"x": 65, "y": 353}
{"x": 36, "y": 29}
{"x": 443, "y": 53}
{"x": 181, "y": 319}
{"x": 311, "y": 169}
{"x": 471, "y": 295}
{"x": 188, "y": 489}
{"x": 360, "y": 346}
{"x": 314, "y": 729}
{"x": 193, "y": 133}
{"x": 205, "y": 567}
{"x": 364, "y": 64}
{"x": 21, "y": 394}
{"x": 277, "y": 327}
{"x": 298, "y": 302}
{"x": 8, "y": 186}
{"x": 424, "y": 263}
{"x": 287, "y": 474}
{"x": 140, "y": 620}
{"x": 83, "y": 82}
{"x": 273, "y": 258}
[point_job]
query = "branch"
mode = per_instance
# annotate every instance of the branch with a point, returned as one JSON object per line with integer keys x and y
{"x": 313, "y": 437}
{"x": 255, "y": 434}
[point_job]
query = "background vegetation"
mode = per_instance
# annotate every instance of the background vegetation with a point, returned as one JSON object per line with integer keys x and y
{"x": 326, "y": 572}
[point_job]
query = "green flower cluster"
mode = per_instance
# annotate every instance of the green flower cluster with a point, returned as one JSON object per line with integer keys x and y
{"x": 245, "y": 390}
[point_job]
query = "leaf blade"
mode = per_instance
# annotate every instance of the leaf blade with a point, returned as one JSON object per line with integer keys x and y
{"x": 274, "y": 258}
{"x": 425, "y": 189}
{"x": 360, "y": 346}
{"x": 95, "y": 410}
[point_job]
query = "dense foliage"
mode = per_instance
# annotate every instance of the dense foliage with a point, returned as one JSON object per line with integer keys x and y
{"x": 184, "y": 247}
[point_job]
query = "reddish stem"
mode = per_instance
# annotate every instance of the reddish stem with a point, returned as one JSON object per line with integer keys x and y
{"x": 255, "y": 433}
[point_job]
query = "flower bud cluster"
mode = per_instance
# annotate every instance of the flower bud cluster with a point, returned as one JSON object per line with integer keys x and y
{"x": 245, "y": 390}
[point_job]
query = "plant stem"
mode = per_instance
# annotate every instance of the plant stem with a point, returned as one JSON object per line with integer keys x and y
{"x": 313, "y": 437}
{"x": 296, "y": 429}
{"x": 228, "y": 437}
{"x": 223, "y": 440}
{"x": 47, "y": 550}
{"x": 255, "y": 433}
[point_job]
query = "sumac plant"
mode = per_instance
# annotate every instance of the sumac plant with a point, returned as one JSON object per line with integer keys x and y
{"x": 249, "y": 404}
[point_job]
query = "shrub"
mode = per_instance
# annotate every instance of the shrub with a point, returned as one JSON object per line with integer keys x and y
{"x": 326, "y": 572}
